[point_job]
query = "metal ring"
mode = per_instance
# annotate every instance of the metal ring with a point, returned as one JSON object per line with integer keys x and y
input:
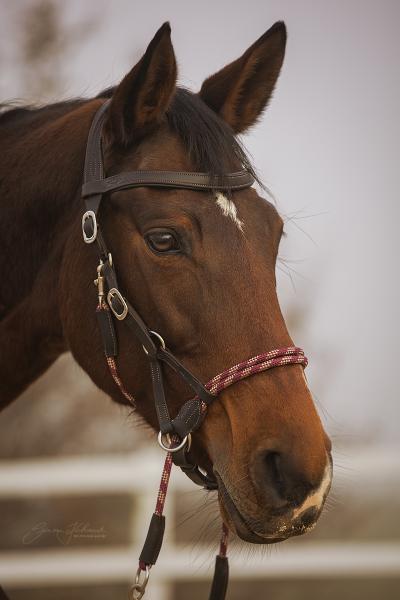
{"x": 160, "y": 339}
{"x": 138, "y": 589}
{"x": 116, "y": 293}
{"x": 186, "y": 440}
{"x": 89, "y": 214}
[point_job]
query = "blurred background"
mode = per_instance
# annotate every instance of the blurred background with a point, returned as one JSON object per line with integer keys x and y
{"x": 78, "y": 476}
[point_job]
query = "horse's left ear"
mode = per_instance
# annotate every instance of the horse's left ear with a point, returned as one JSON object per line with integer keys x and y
{"x": 241, "y": 90}
{"x": 140, "y": 101}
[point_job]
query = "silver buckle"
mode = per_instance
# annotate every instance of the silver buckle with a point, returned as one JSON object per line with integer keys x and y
{"x": 110, "y": 296}
{"x": 89, "y": 214}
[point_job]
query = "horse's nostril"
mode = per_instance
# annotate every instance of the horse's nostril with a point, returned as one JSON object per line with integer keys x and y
{"x": 282, "y": 479}
{"x": 274, "y": 472}
{"x": 309, "y": 516}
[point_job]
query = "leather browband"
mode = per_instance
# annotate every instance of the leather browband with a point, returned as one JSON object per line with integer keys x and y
{"x": 168, "y": 179}
{"x": 95, "y": 183}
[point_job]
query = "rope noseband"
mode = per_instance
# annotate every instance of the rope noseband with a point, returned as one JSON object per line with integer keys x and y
{"x": 175, "y": 433}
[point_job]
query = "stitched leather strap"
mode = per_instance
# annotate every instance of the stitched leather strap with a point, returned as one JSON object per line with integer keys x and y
{"x": 191, "y": 470}
{"x": 200, "y": 390}
{"x": 94, "y": 156}
{"x": 168, "y": 179}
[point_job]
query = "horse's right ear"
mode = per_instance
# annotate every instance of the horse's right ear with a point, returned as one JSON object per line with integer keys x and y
{"x": 141, "y": 99}
{"x": 240, "y": 91}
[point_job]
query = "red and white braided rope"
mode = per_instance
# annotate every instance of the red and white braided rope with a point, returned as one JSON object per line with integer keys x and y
{"x": 280, "y": 357}
{"x": 223, "y": 542}
{"x": 163, "y": 488}
{"x": 162, "y": 491}
{"x": 262, "y": 362}
{"x": 112, "y": 365}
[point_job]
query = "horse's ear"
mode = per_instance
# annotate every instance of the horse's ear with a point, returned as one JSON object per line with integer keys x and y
{"x": 141, "y": 99}
{"x": 241, "y": 90}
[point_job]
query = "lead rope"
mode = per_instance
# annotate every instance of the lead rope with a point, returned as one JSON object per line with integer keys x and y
{"x": 154, "y": 539}
{"x": 152, "y": 546}
{"x": 155, "y": 534}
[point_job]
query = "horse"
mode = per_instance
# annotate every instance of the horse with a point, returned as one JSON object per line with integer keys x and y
{"x": 198, "y": 265}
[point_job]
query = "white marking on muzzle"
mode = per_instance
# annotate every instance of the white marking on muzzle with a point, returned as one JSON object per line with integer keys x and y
{"x": 228, "y": 209}
{"x": 316, "y": 499}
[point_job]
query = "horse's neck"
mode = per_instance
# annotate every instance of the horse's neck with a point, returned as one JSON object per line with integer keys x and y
{"x": 40, "y": 175}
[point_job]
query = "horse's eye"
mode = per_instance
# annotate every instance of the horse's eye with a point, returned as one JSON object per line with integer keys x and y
{"x": 163, "y": 242}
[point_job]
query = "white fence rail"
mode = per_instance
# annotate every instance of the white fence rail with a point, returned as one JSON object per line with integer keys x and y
{"x": 371, "y": 470}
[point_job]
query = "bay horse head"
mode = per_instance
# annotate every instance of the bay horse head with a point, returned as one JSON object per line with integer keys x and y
{"x": 199, "y": 268}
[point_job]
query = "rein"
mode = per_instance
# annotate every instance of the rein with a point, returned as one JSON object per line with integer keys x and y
{"x": 175, "y": 433}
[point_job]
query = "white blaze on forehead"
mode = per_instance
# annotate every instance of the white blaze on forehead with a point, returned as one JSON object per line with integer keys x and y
{"x": 228, "y": 209}
{"x": 316, "y": 499}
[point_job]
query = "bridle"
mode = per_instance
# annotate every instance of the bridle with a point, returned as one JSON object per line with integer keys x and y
{"x": 175, "y": 432}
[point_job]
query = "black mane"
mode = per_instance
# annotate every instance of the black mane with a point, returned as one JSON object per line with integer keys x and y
{"x": 210, "y": 143}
